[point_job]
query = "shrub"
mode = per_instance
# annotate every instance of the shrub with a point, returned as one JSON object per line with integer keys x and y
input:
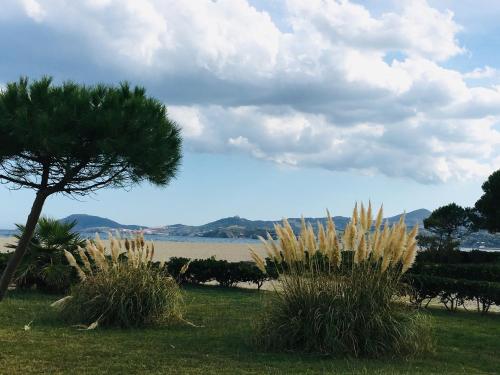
{"x": 202, "y": 270}
{"x": 467, "y": 271}
{"x": 248, "y": 272}
{"x": 44, "y": 265}
{"x": 126, "y": 291}
{"x": 458, "y": 256}
{"x": 174, "y": 267}
{"x": 422, "y": 289}
{"x": 340, "y": 295}
{"x": 452, "y": 292}
{"x": 455, "y": 277}
{"x": 225, "y": 273}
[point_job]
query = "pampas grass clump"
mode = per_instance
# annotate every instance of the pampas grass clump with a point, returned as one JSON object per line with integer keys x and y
{"x": 339, "y": 295}
{"x": 122, "y": 288}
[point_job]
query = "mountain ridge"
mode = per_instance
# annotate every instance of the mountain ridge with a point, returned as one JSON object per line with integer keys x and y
{"x": 234, "y": 226}
{"x": 85, "y": 222}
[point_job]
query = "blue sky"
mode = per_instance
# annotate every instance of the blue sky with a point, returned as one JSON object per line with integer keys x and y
{"x": 287, "y": 107}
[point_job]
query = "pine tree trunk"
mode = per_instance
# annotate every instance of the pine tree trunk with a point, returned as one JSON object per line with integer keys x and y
{"x": 22, "y": 246}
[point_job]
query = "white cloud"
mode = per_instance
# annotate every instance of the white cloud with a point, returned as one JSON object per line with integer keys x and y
{"x": 34, "y": 10}
{"x": 422, "y": 148}
{"x": 479, "y": 73}
{"x": 192, "y": 126}
{"x": 340, "y": 88}
{"x": 418, "y": 29}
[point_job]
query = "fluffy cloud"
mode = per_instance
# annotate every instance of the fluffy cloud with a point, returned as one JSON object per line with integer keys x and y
{"x": 479, "y": 73}
{"x": 418, "y": 29}
{"x": 337, "y": 87}
{"x": 423, "y": 148}
{"x": 33, "y": 10}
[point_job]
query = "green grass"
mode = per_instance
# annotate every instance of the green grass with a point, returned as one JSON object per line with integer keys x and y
{"x": 467, "y": 343}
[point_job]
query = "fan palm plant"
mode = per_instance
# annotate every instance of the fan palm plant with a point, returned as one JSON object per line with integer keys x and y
{"x": 45, "y": 266}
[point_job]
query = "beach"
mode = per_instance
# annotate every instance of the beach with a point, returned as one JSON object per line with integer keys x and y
{"x": 233, "y": 252}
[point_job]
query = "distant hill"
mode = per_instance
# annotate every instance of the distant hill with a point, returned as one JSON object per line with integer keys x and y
{"x": 239, "y": 227}
{"x": 88, "y": 223}
{"x": 229, "y": 227}
{"x": 412, "y": 217}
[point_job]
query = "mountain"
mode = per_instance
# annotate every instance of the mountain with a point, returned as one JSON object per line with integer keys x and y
{"x": 237, "y": 227}
{"x": 229, "y": 227}
{"x": 86, "y": 223}
{"x": 412, "y": 218}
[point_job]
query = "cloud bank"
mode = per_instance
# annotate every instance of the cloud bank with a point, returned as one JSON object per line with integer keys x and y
{"x": 338, "y": 88}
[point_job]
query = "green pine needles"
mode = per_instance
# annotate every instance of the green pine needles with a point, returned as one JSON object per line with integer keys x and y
{"x": 75, "y": 139}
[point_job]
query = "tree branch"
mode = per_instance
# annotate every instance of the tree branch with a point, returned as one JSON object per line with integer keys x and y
{"x": 20, "y": 182}
{"x": 96, "y": 185}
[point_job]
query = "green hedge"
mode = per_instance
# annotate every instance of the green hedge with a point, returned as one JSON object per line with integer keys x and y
{"x": 452, "y": 293}
{"x": 454, "y": 277}
{"x": 468, "y": 271}
{"x": 458, "y": 257}
{"x": 224, "y": 272}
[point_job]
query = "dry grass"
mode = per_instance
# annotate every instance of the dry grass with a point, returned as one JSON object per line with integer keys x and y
{"x": 388, "y": 248}
{"x": 338, "y": 294}
{"x": 122, "y": 287}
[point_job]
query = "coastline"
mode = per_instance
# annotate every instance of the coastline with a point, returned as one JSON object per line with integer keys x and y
{"x": 164, "y": 250}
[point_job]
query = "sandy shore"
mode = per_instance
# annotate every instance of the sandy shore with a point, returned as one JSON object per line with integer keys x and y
{"x": 232, "y": 252}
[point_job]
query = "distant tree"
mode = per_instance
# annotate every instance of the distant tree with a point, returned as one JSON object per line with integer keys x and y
{"x": 73, "y": 140}
{"x": 488, "y": 206}
{"x": 447, "y": 220}
{"x": 447, "y": 224}
{"x": 432, "y": 242}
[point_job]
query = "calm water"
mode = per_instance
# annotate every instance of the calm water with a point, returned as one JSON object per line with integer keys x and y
{"x": 159, "y": 237}
{"x": 7, "y": 232}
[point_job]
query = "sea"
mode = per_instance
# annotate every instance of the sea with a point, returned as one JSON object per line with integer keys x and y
{"x": 196, "y": 239}
{"x": 158, "y": 237}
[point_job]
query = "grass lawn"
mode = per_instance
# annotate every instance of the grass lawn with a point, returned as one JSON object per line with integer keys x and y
{"x": 467, "y": 343}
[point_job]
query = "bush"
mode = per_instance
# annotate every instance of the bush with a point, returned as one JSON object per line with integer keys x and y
{"x": 422, "y": 289}
{"x": 467, "y": 271}
{"x": 226, "y": 273}
{"x": 339, "y": 296}
{"x": 202, "y": 270}
{"x": 174, "y": 267}
{"x": 250, "y": 273}
{"x": 458, "y": 256}
{"x": 452, "y": 292}
{"x": 121, "y": 292}
{"x": 454, "y": 278}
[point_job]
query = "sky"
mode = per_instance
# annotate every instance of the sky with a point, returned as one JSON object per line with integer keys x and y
{"x": 286, "y": 107}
